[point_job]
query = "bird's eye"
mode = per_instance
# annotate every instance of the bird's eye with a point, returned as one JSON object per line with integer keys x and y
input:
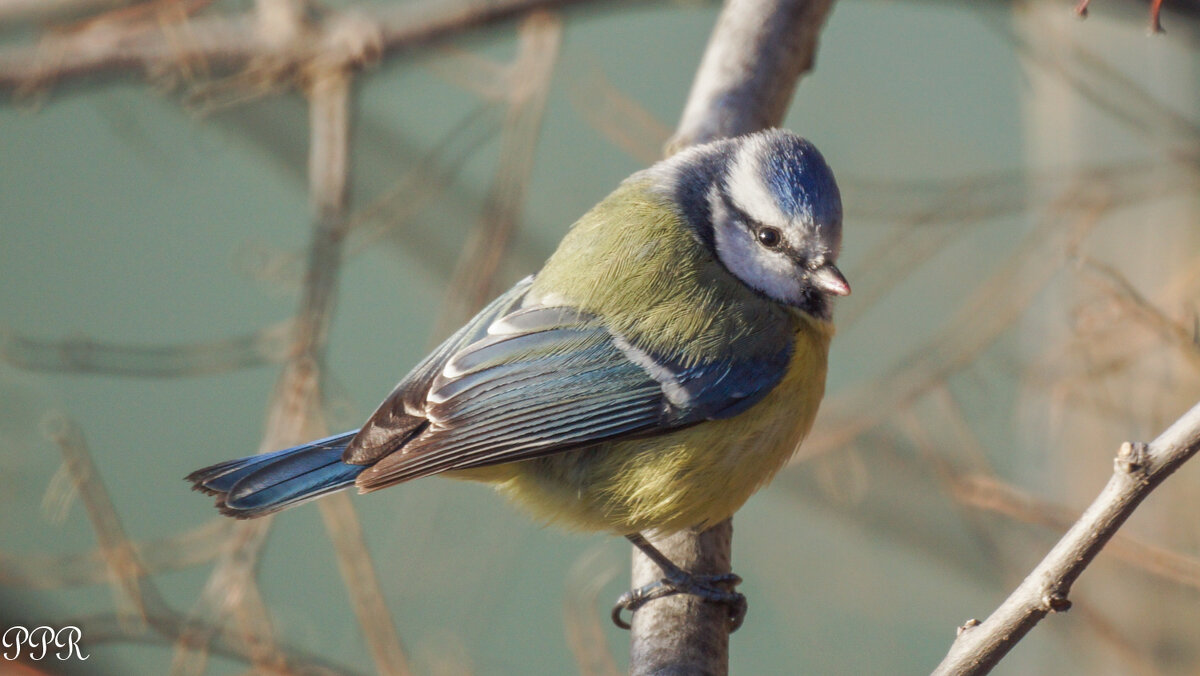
{"x": 769, "y": 237}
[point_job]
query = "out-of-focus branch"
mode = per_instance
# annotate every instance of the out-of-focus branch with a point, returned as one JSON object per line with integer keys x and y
{"x": 83, "y": 355}
{"x": 329, "y": 169}
{"x": 175, "y": 552}
{"x": 12, "y": 11}
{"x": 169, "y": 626}
{"x": 294, "y": 414}
{"x": 989, "y": 494}
{"x": 234, "y": 41}
{"x": 1139, "y": 469}
{"x": 528, "y": 79}
{"x": 990, "y": 311}
{"x": 1155, "y": 13}
{"x": 1146, "y": 313}
{"x": 125, "y": 571}
{"x": 757, "y": 53}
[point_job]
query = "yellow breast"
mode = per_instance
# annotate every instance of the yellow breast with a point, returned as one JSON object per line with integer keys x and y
{"x": 698, "y": 475}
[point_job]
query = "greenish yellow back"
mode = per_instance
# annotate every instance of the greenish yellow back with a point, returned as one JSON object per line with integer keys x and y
{"x": 633, "y": 261}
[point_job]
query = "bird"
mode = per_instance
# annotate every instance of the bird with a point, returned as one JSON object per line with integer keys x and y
{"x": 666, "y": 361}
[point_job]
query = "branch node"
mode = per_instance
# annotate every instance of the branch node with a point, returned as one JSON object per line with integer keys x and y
{"x": 1132, "y": 458}
{"x": 353, "y": 39}
{"x": 1055, "y": 602}
{"x": 966, "y": 626}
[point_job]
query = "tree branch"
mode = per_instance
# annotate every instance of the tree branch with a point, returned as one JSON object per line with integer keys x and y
{"x": 234, "y": 41}
{"x": 1139, "y": 469}
{"x": 757, "y": 53}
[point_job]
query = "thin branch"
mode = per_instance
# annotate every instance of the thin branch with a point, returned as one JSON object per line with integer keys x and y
{"x": 125, "y": 571}
{"x": 622, "y": 120}
{"x": 987, "y": 314}
{"x": 1145, "y": 312}
{"x": 84, "y": 355}
{"x": 294, "y": 413}
{"x": 990, "y": 494}
{"x": 329, "y": 169}
{"x": 1155, "y": 13}
{"x": 169, "y": 626}
{"x": 176, "y": 552}
{"x": 473, "y": 281}
{"x": 15, "y": 11}
{"x": 758, "y": 51}
{"x": 234, "y": 42}
{"x": 1120, "y": 96}
{"x": 1139, "y": 469}
{"x": 362, "y": 583}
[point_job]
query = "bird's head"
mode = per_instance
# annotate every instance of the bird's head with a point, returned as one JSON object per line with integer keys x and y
{"x": 768, "y": 208}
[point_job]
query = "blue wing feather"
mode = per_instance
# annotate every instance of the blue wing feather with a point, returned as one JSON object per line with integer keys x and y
{"x": 549, "y": 379}
{"x": 394, "y": 422}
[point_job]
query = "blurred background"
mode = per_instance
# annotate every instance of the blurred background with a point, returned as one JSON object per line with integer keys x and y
{"x": 1022, "y": 194}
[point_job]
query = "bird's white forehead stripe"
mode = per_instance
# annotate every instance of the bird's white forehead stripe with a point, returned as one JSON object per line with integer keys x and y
{"x": 768, "y": 271}
{"x": 747, "y": 189}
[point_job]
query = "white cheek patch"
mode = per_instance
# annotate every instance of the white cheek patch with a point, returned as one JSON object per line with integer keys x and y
{"x": 770, "y": 272}
{"x": 747, "y": 190}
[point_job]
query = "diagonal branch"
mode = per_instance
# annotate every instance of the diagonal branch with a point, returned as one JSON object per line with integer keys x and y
{"x": 1139, "y": 469}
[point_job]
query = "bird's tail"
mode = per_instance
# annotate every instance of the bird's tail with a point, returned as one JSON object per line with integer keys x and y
{"x": 262, "y": 484}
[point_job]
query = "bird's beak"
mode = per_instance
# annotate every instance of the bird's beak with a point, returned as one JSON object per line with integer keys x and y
{"x": 830, "y": 280}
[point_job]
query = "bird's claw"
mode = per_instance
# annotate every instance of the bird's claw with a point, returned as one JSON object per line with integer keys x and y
{"x": 711, "y": 588}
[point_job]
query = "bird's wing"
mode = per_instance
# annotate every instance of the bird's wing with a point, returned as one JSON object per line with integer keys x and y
{"x": 402, "y": 414}
{"x": 549, "y": 379}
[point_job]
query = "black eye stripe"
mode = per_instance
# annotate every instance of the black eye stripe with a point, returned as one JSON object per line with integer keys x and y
{"x": 756, "y": 228}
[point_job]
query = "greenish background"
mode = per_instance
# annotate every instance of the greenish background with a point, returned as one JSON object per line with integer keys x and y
{"x": 127, "y": 218}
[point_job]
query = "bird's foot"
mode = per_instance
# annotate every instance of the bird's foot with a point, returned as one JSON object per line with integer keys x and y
{"x": 711, "y": 588}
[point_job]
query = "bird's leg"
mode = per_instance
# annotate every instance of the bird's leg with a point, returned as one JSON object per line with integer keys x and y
{"x": 675, "y": 580}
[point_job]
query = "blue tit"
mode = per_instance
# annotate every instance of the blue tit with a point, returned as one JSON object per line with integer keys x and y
{"x": 663, "y": 365}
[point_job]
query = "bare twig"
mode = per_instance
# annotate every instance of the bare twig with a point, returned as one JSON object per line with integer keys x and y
{"x": 84, "y": 355}
{"x": 1155, "y": 13}
{"x": 473, "y": 281}
{"x": 1120, "y": 96}
{"x": 125, "y": 571}
{"x": 295, "y": 411}
{"x": 362, "y": 584}
{"x": 13, "y": 11}
{"x": 1145, "y": 312}
{"x": 621, "y": 119}
{"x": 175, "y": 552}
{"x": 989, "y": 494}
{"x": 1139, "y": 469}
{"x": 757, "y": 53}
{"x": 169, "y": 626}
{"x": 231, "y": 42}
{"x": 994, "y": 306}
{"x": 329, "y": 93}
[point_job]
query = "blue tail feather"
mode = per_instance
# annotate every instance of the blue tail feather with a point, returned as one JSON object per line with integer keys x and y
{"x": 262, "y": 484}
